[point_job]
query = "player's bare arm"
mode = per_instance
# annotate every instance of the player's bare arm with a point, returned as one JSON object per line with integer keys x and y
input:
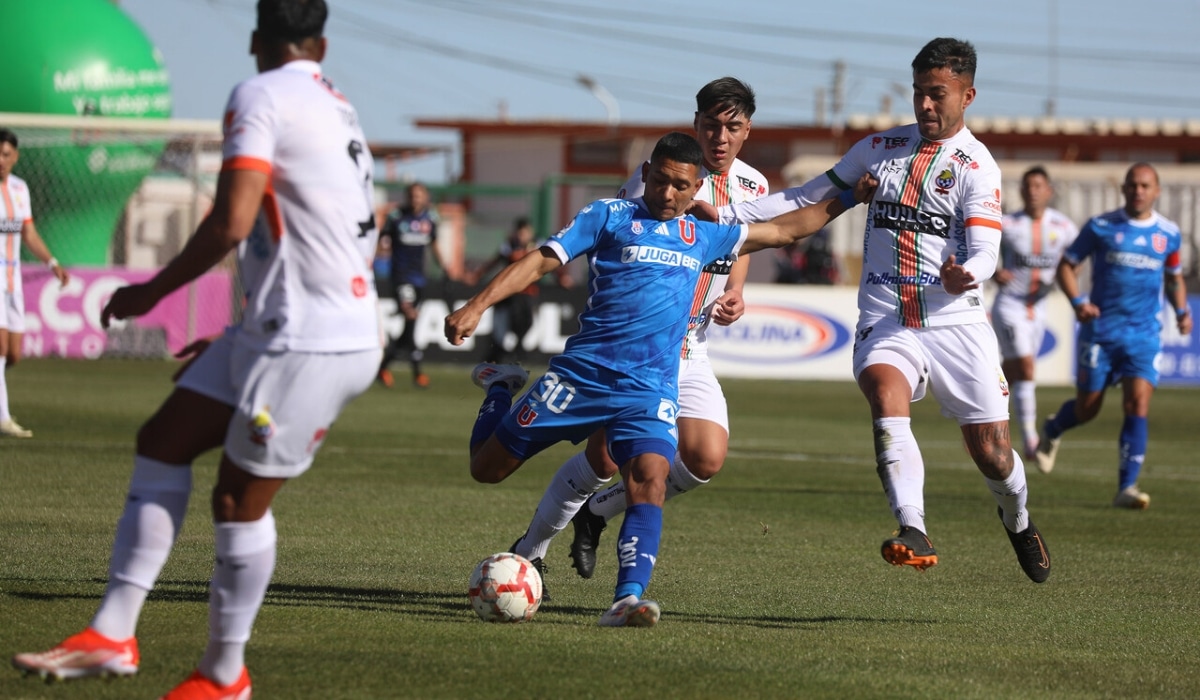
{"x": 34, "y": 244}
{"x": 1067, "y": 275}
{"x": 512, "y": 279}
{"x": 805, "y": 221}
{"x": 239, "y": 197}
{"x": 1176, "y": 293}
{"x": 730, "y": 306}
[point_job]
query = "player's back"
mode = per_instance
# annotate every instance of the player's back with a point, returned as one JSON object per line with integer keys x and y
{"x": 306, "y": 263}
{"x": 1128, "y": 260}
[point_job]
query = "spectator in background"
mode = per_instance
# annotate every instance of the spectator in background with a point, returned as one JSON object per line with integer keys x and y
{"x": 409, "y": 230}
{"x": 516, "y": 313}
{"x": 16, "y": 227}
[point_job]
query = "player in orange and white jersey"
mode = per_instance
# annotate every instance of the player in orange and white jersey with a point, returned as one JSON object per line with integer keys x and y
{"x": 295, "y": 197}
{"x": 16, "y": 227}
{"x": 724, "y": 111}
{"x": 932, "y": 237}
{"x": 1031, "y": 244}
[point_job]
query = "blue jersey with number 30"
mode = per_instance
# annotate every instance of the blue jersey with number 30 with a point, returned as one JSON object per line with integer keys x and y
{"x": 643, "y": 277}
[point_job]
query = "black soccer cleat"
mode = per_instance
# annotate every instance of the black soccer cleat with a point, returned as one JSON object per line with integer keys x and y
{"x": 1032, "y": 553}
{"x": 910, "y": 547}
{"x": 537, "y": 564}
{"x": 588, "y": 527}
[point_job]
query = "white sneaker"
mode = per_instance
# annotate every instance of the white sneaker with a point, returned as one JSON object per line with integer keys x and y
{"x": 631, "y": 612}
{"x": 9, "y": 428}
{"x": 1131, "y": 497}
{"x": 1047, "y": 449}
{"x": 486, "y": 374}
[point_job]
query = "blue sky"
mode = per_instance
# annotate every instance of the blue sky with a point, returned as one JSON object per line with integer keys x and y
{"x": 400, "y": 60}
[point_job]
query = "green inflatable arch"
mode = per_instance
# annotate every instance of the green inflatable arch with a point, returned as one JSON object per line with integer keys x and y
{"x": 81, "y": 57}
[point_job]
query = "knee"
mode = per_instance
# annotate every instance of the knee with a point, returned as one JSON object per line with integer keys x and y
{"x": 703, "y": 464}
{"x": 484, "y": 473}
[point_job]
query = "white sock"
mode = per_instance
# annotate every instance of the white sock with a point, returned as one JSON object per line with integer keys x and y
{"x": 245, "y": 562}
{"x": 680, "y": 479}
{"x": 901, "y": 469}
{"x": 4, "y": 414}
{"x": 153, "y": 516}
{"x": 1025, "y": 403}
{"x": 571, "y": 486}
{"x": 610, "y": 502}
{"x": 1012, "y": 495}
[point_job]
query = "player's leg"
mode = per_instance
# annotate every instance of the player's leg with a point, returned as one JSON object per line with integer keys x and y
{"x": 185, "y": 426}
{"x": 286, "y": 404}
{"x": 407, "y": 340}
{"x": 491, "y": 460}
{"x": 645, "y": 478}
{"x": 1019, "y": 330}
{"x": 12, "y": 327}
{"x": 5, "y": 416}
{"x": 1139, "y": 377}
{"x": 964, "y": 359}
{"x": 891, "y": 370}
{"x": 578, "y": 478}
{"x": 1093, "y": 374}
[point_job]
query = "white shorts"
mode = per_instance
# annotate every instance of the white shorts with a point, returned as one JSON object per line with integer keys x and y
{"x": 1019, "y": 328}
{"x": 284, "y": 402}
{"x": 960, "y": 365}
{"x": 12, "y": 312}
{"x": 700, "y": 394}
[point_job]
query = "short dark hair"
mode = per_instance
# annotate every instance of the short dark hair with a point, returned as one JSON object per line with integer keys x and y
{"x": 291, "y": 20}
{"x": 678, "y": 147}
{"x": 1035, "y": 170}
{"x": 7, "y": 136}
{"x": 943, "y": 52}
{"x": 724, "y": 94}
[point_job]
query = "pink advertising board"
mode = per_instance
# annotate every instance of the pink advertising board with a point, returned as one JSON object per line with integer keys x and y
{"x": 65, "y": 321}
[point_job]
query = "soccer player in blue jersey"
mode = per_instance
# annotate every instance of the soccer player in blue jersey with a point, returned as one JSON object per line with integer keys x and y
{"x": 620, "y": 370}
{"x": 1135, "y": 255}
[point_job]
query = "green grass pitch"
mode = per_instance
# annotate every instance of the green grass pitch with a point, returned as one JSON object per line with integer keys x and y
{"x": 770, "y": 578}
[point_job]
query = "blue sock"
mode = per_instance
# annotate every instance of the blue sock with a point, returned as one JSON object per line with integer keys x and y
{"x": 637, "y": 549}
{"x": 1063, "y": 421}
{"x": 1134, "y": 435}
{"x": 497, "y": 403}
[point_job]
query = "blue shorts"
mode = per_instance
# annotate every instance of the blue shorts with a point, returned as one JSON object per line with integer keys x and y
{"x": 1102, "y": 363}
{"x": 570, "y": 402}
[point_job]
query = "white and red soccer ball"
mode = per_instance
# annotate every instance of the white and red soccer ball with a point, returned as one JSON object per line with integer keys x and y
{"x": 505, "y": 587}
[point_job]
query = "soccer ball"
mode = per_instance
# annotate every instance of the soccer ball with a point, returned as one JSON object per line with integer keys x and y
{"x": 505, "y": 588}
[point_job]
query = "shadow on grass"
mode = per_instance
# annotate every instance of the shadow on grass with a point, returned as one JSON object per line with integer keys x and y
{"x": 432, "y": 605}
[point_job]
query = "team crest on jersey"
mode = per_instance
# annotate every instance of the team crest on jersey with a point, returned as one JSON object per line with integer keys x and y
{"x": 944, "y": 181}
{"x": 637, "y": 228}
{"x": 262, "y": 426}
{"x": 1159, "y": 243}
{"x": 1003, "y": 384}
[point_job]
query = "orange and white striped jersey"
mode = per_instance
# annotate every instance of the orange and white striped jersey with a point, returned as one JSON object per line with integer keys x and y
{"x": 741, "y": 183}
{"x": 935, "y": 199}
{"x": 15, "y": 210}
{"x": 1030, "y": 249}
{"x": 305, "y": 268}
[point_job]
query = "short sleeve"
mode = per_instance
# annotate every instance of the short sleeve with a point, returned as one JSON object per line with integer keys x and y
{"x": 250, "y": 129}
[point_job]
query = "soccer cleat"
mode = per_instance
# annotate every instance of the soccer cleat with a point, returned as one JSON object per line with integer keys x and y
{"x": 200, "y": 687}
{"x": 631, "y": 612}
{"x": 910, "y": 547}
{"x": 1047, "y": 449}
{"x": 10, "y": 428}
{"x": 487, "y": 374}
{"x": 421, "y": 380}
{"x": 1131, "y": 497}
{"x": 1032, "y": 553}
{"x": 88, "y": 653}
{"x": 588, "y": 527}
{"x": 537, "y": 564}
{"x": 385, "y": 378}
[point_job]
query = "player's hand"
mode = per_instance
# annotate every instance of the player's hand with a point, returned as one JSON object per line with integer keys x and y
{"x": 864, "y": 189}
{"x": 190, "y": 353}
{"x": 134, "y": 300}
{"x": 1087, "y": 311}
{"x": 461, "y": 324}
{"x": 1003, "y": 276}
{"x": 61, "y": 273}
{"x": 955, "y": 278}
{"x": 728, "y": 308}
{"x": 702, "y": 211}
{"x": 1184, "y": 324}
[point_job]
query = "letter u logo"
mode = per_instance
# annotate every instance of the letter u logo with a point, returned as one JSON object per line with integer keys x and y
{"x": 526, "y": 416}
